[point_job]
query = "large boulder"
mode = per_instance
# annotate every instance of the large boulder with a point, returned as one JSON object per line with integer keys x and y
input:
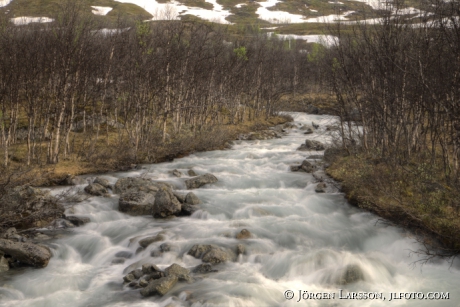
{"x": 307, "y": 167}
{"x": 166, "y": 204}
{"x": 96, "y": 189}
{"x": 34, "y": 207}
{"x": 350, "y": 274}
{"x": 160, "y": 286}
{"x": 199, "y": 181}
{"x": 136, "y": 203}
{"x": 181, "y": 272}
{"x": 192, "y": 199}
{"x": 28, "y": 253}
{"x": 314, "y": 145}
{"x": 103, "y": 182}
{"x": 136, "y": 184}
{"x": 211, "y": 253}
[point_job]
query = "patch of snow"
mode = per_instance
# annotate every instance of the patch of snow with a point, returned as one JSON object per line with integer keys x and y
{"x": 271, "y": 28}
{"x": 4, "y": 2}
{"x": 276, "y": 16}
{"x": 333, "y": 2}
{"x": 172, "y": 10}
{"x": 26, "y": 20}
{"x": 315, "y": 11}
{"x": 240, "y": 5}
{"x": 101, "y": 10}
{"x": 331, "y": 18}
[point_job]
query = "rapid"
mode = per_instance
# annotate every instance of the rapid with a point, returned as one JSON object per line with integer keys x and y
{"x": 301, "y": 240}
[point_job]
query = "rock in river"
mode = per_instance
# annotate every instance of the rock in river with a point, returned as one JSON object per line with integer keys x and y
{"x": 166, "y": 204}
{"x": 136, "y": 203}
{"x": 96, "y": 189}
{"x": 28, "y": 253}
{"x": 199, "y": 181}
{"x": 160, "y": 286}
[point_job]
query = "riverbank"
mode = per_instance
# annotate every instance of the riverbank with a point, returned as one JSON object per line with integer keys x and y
{"x": 404, "y": 196}
{"x": 109, "y": 157}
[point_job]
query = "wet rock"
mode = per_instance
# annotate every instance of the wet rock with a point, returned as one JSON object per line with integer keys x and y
{"x": 143, "y": 282}
{"x": 124, "y": 254}
{"x": 67, "y": 180}
{"x": 149, "y": 240}
{"x": 203, "y": 269}
{"x": 307, "y": 167}
{"x": 139, "y": 249}
{"x": 188, "y": 209}
{"x": 181, "y": 272}
{"x": 192, "y": 173}
{"x": 12, "y": 234}
{"x": 199, "y": 250}
{"x": 332, "y": 128}
{"x": 4, "y": 266}
{"x": 137, "y": 184}
{"x": 61, "y": 224}
{"x": 103, "y": 182}
{"x": 215, "y": 256}
{"x": 136, "y": 203}
{"x": 316, "y": 126}
{"x": 118, "y": 261}
{"x": 294, "y": 168}
{"x": 137, "y": 273}
{"x": 314, "y": 157}
{"x": 166, "y": 204}
{"x": 96, "y": 189}
{"x": 134, "y": 284}
{"x": 27, "y": 253}
{"x": 165, "y": 247}
{"x": 240, "y": 249}
{"x": 199, "y": 181}
{"x": 129, "y": 278}
{"x": 150, "y": 268}
{"x": 243, "y": 234}
{"x": 78, "y": 220}
{"x": 180, "y": 197}
{"x": 176, "y": 173}
{"x": 192, "y": 199}
{"x": 311, "y": 109}
{"x": 289, "y": 125}
{"x": 351, "y": 273}
{"x": 156, "y": 253}
{"x": 314, "y": 145}
{"x": 160, "y": 286}
{"x": 321, "y": 187}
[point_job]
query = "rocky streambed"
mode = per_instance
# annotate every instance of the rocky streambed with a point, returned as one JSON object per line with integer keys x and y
{"x": 235, "y": 227}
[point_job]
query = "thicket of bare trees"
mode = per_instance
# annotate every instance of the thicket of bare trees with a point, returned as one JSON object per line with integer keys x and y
{"x": 146, "y": 81}
{"x": 400, "y": 82}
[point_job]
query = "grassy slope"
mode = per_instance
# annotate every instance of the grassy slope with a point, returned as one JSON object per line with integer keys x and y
{"x": 409, "y": 197}
{"x": 108, "y": 157}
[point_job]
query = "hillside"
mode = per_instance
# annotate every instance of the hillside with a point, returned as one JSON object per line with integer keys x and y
{"x": 289, "y": 16}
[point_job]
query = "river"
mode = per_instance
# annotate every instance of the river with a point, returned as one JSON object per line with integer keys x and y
{"x": 301, "y": 241}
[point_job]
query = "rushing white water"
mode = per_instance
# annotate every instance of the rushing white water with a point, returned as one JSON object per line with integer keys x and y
{"x": 301, "y": 241}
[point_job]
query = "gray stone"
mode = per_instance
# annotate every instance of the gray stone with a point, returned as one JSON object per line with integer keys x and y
{"x": 62, "y": 224}
{"x": 28, "y": 253}
{"x": 307, "y": 167}
{"x": 103, "y": 182}
{"x": 215, "y": 256}
{"x": 314, "y": 145}
{"x": 160, "y": 286}
{"x": 177, "y": 173}
{"x": 137, "y": 184}
{"x": 156, "y": 253}
{"x": 307, "y": 129}
{"x": 165, "y": 247}
{"x": 320, "y": 187}
{"x": 129, "y": 278}
{"x": 203, "y": 269}
{"x": 149, "y": 240}
{"x": 188, "y": 209}
{"x": 199, "y": 250}
{"x": 137, "y": 273}
{"x": 192, "y": 173}
{"x": 180, "y": 197}
{"x": 181, "y": 272}
{"x": 124, "y": 254}
{"x": 243, "y": 234}
{"x": 192, "y": 199}
{"x": 118, "y": 261}
{"x": 199, "y": 181}
{"x": 150, "y": 268}
{"x": 294, "y": 168}
{"x": 136, "y": 203}
{"x": 96, "y": 189}
{"x": 78, "y": 220}
{"x": 166, "y": 204}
